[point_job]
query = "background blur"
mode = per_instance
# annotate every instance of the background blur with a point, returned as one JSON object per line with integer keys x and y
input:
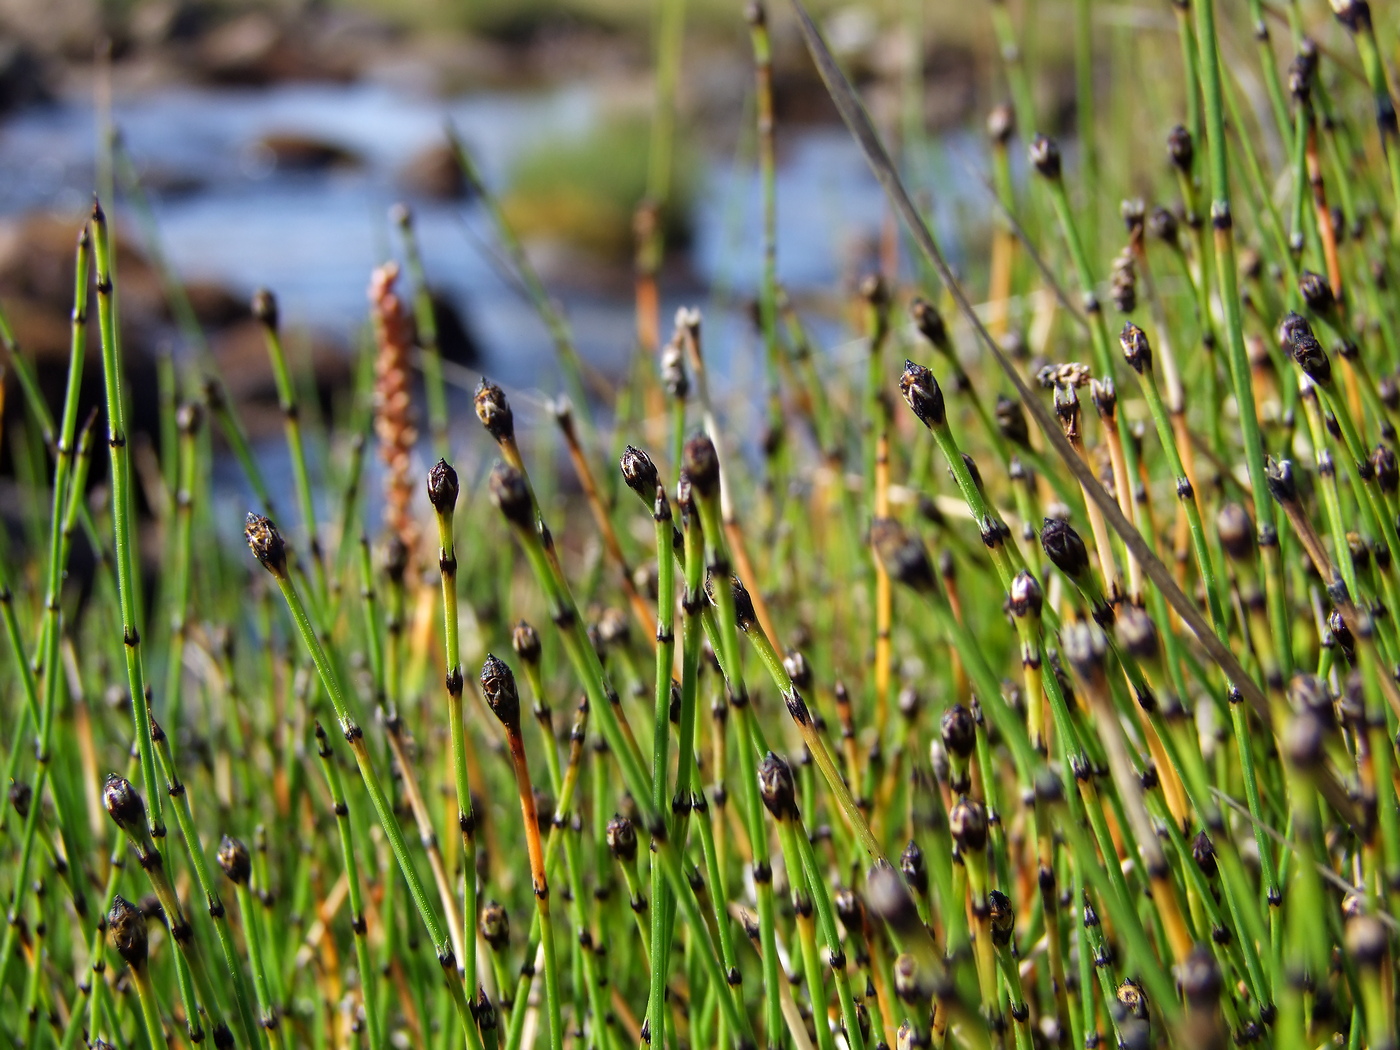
{"x": 264, "y": 144}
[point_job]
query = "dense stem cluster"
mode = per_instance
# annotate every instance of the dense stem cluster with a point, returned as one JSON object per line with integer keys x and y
{"x": 1059, "y": 710}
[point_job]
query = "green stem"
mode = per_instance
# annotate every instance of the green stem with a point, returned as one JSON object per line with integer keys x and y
{"x": 122, "y": 515}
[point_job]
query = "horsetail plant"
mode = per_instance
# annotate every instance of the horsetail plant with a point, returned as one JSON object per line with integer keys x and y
{"x": 1091, "y": 718}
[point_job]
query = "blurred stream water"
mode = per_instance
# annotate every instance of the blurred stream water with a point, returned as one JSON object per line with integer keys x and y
{"x": 226, "y": 214}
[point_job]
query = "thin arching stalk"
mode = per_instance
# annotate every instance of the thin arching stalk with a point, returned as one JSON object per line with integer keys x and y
{"x": 442, "y": 492}
{"x": 122, "y": 514}
{"x": 358, "y": 925}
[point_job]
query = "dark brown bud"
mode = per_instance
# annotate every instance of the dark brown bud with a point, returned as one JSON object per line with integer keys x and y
{"x": 1136, "y": 350}
{"x": 1002, "y": 917}
{"x": 1278, "y": 474}
{"x": 1300, "y": 74}
{"x": 1303, "y": 740}
{"x": 1132, "y": 998}
{"x": 511, "y": 495}
{"x": 906, "y": 987}
{"x": 21, "y": 795}
{"x": 188, "y": 418}
{"x": 495, "y": 925}
{"x": 967, "y": 821}
{"x": 1203, "y": 851}
{"x": 1342, "y": 635}
{"x": 875, "y": 291}
{"x": 622, "y": 839}
{"x": 525, "y": 640}
{"x": 233, "y": 858}
{"x": 1133, "y": 213}
{"x": 1001, "y": 122}
{"x": 1353, "y": 905}
{"x": 1388, "y": 392}
{"x": 443, "y": 488}
{"x": 1136, "y": 632}
{"x": 1366, "y": 941}
{"x": 1162, "y": 226}
{"x": 265, "y": 308}
{"x": 493, "y": 410}
{"x": 776, "y": 787}
{"x": 498, "y": 689}
{"x": 1084, "y": 646}
{"x": 911, "y": 863}
{"x": 1200, "y": 978}
{"x": 929, "y": 322}
{"x": 1048, "y": 789}
{"x": 126, "y": 929}
{"x": 1355, "y": 16}
{"x": 123, "y": 803}
{"x": 1011, "y": 421}
{"x": 685, "y": 500}
{"x": 1123, "y": 281}
{"x": 1027, "y": 597}
{"x": 888, "y": 899}
{"x": 958, "y": 730}
{"x": 1386, "y": 467}
{"x": 902, "y": 554}
{"x": 639, "y": 472}
{"x": 1307, "y": 692}
{"x": 1298, "y": 339}
{"x": 755, "y": 14}
{"x": 1236, "y": 531}
{"x": 923, "y": 395}
{"x": 849, "y": 908}
{"x": 795, "y": 663}
{"x": 673, "y": 375}
{"x": 1045, "y": 156}
{"x": 701, "y": 461}
{"x": 266, "y": 543}
{"x": 1064, "y": 548}
{"x": 613, "y": 627}
{"x": 745, "y": 617}
{"x": 1181, "y": 150}
{"x": 1316, "y": 292}
{"x": 395, "y": 558}
{"x": 1104, "y": 394}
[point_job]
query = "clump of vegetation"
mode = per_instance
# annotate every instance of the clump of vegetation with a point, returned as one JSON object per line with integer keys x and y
{"x": 1060, "y": 708}
{"x": 583, "y": 190}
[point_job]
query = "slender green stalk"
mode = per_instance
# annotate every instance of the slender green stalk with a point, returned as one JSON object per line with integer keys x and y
{"x": 511, "y": 495}
{"x": 358, "y": 925}
{"x": 181, "y": 556}
{"x": 189, "y": 834}
{"x": 702, "y": 467}
{"x": 442, "y": 493}
{"x": 270, "y": 550}
{"x": 266, "y": 312}
{"x": 127, "y": 926}
{"x": 498, "y": 688}
{"x": 779, "y": 796}
{"x": 1222, "y": 224}
{"x": 123, "y": 512}
{"x": 234, "y": 859}
{"x": 1355, "y": 16}
{"x": 640, "y": 475}
{"x": 767, "y": 166}
{"x": 128, "y": 810}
